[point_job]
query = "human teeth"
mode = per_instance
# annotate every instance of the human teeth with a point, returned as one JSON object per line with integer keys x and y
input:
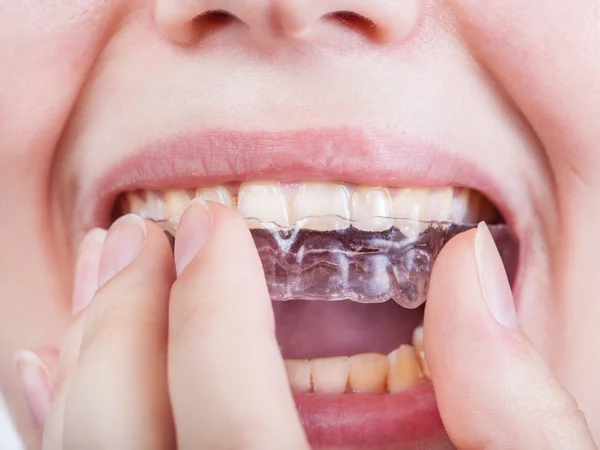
{"x": 410, "y": 204}
{"x": 368, "y": 373}
{"x": 146, "y": 204}
{"x": 439, "y": 204}
{"x": 324, "y": 206}
{"x": 329, "y": 375}
{"x": 371, "y": 209}
{"x": 154, "y": 207}
{"x": 404, "y": 371}
{"x": 426, "y": 205}
{"x": 469, "y": 206}
{"x": 218, "y": 194}
{"x": 298, "y": 373}
{"x": 460, "y": 205}
{"x": 423, "y": 364}
{"x": 466, "y": 206}
{"x": 417, "y": 339}
{"x": 132, "y": 202}
{"x": 261, "y": 203}
{"x": 329, "y": 201}
{"x": 176, "y": 202}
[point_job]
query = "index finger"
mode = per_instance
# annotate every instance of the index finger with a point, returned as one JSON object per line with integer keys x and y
{"x": 226, "y": 375}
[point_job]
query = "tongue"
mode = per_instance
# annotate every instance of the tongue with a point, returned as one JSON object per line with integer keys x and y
{"x": 315, "y": 329}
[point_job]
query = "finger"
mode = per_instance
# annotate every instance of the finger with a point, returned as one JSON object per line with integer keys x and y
{"x": 64, "y": 369}
{"x": 63, "y": 365}
{"x": 226, "y": 374}
{"x": 37, "y": 372}
{"x": 117, "y": 397}
{"x": 493, "y": 389}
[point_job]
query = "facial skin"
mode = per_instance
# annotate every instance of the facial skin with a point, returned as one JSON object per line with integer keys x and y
{"x": 511, "y": 86}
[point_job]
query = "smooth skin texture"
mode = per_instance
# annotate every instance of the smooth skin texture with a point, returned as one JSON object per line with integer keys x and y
{"x": 511, "y": 86}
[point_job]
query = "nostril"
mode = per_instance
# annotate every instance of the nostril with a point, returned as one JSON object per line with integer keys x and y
{"x": 216, "y": 17}
{"x": 210, "y": 22}
{"x": 356, "y": 22}
{"x": 188, "y": 23}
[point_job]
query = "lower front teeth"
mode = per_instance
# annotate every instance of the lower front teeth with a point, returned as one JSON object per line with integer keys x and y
{"x": 369, "y": 373}
{"x": 405, "y": 370}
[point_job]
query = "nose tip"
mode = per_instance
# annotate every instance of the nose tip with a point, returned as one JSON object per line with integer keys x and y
{"x": 186, "y": 21}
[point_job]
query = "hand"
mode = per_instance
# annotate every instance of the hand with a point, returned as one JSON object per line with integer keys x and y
{"x": 493, "y": 390}
{"x": 158, "y": 361}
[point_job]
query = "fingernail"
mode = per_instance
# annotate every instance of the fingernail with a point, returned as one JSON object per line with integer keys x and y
{"x": 192, "y": 233}
{"x": 493, "y": 279}
{"x": 35, "y": 379}
{"x": 86, "y": 269}
{"x": 126, "y": 238}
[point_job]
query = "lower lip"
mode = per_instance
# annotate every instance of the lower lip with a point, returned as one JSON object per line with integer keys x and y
{"x": 408, "y": 419}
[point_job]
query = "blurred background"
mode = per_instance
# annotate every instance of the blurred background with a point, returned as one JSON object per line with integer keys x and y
{"x": 8, "y": 434}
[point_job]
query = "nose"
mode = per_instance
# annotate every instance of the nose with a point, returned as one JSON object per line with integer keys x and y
{"x": 188, "y": 21}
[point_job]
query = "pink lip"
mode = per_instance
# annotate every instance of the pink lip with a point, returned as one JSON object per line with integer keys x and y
{"x": 408, "y": 419}
{"x": 345, "y": 154}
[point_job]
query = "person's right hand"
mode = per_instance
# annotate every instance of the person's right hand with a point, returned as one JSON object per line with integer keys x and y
{"x": 156, "y": 360}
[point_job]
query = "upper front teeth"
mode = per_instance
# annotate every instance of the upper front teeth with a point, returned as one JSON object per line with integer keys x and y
{"x": 175, "y": 203}
{"x": 372, "y": 208}
{"x": 218, "y": 194}
{"x": 263, "y": 203}
{"x": 324, "y": 205}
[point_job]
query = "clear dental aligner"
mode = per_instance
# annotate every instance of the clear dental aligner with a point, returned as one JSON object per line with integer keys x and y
{"x": 349, "y": 263}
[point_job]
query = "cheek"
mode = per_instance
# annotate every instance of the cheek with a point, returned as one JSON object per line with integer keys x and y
{"x": 547, "y": 56}
{"x": 46, "y": 50}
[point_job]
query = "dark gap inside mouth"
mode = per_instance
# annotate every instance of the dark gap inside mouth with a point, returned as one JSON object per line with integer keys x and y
{"x": 318, "y": 329}
{"x": 117, "y": 210}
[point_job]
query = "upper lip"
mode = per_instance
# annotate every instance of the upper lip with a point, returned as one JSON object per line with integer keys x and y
{"x": 344, "y": 154}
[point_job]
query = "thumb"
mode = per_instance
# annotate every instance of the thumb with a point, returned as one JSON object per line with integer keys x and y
{"x": 493, "y": 390}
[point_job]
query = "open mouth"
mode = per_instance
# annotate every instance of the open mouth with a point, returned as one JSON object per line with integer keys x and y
{"x": 348, "y": 303}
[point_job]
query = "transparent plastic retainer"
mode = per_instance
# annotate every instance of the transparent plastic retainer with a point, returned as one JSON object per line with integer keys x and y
{"x": 352, "y": 264}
